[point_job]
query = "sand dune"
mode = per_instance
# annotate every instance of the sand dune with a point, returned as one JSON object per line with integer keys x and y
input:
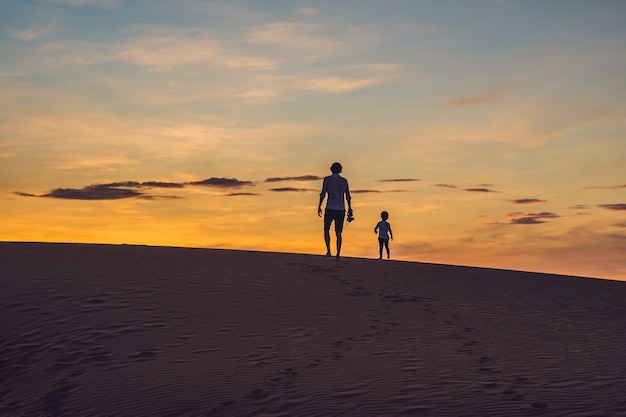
{"x": 100, "y": 330}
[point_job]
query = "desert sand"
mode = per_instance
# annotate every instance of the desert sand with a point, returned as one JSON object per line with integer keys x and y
{"x": 116, "y": 330}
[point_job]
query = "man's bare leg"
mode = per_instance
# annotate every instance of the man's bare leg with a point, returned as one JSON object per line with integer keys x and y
{"x": 327, "y": 241}
{"x": 338, "y": 243}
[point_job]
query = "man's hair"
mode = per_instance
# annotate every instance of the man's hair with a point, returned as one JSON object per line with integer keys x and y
{"x": 336, "y": 168}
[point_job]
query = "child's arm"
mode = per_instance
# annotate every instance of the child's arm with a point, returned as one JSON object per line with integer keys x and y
{"x": 390, "y": 233}
{"x": 376, "y": 229}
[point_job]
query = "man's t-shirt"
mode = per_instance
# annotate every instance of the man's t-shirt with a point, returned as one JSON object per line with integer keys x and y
{"x": 336, "y": 187}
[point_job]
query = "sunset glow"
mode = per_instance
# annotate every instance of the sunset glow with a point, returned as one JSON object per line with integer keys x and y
{"x": 492, "y": 131}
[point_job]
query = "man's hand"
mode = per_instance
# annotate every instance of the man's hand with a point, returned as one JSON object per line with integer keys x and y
{"x": 319, "y": 211}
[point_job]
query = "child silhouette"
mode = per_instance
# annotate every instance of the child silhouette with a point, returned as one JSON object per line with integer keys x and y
{"x": 383, "y": 228}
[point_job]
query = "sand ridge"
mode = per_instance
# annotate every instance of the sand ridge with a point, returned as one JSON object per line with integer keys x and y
{"x": 116, "y": 330}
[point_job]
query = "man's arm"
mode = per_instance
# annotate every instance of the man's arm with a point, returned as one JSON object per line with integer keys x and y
{"x": 319, "y": 206}
{"x": 348, "y": 197}
{"x": 322, "y": 195}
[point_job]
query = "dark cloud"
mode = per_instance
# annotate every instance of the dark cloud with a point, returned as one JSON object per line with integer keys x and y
{"x": 237, "y": 194}
{"x": 481, "y": 190}
{"x": 544, "y": 215}
{"x": 400, "y": 180}
{"x": 24, "y": 194}
{"x": 93, "y": 192}
{"x": 300, "y": 178}
{"x": 607, "y": 187}
{"x": 292, "y": 189}
{"x": 527, "y": 220}
{"x": 110, "y": 191}
{"x": 222, "y": 182}
{"x": 446, "y": 185}
{"x": 613, "y": 207}
{"x": 129, "y": 189}
{"x": 147, "y": 184}
{"x": 527, "y": 201}
{"x": 159, "y": 184}
{"x": 210, "y": 182}
{"x": 159, "y": 197}
{"x": 96, "y": 192}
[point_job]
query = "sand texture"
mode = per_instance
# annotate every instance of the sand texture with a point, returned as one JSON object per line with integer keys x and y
{"x": 103, "y": 330}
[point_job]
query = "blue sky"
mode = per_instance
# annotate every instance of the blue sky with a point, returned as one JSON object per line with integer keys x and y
{"x": 507, "y": 116}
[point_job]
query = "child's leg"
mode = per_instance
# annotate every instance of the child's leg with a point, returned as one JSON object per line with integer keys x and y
{"x": 387, "y": 247}
{"x": 380, "y": 248}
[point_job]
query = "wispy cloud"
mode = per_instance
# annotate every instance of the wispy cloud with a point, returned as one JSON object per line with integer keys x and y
{"x": 400, "y": 180}
{"x": 446, "y": 185}
{"x": 305, "y": 38}
{"x": 380, "y": 191}
{"x": 163, "y": 48}
{"x": 299, "y": 178}
{"x": 527, "y": 201}
{"x": 156, "y": 48}
{"x": 614, "y": 207}
{"x": 607, "y": 187}
{"x": 337, "y": 84}
{"x": 486, "y": 98}
{"x": 307, "y": 11}
{"x": 106, "y": 4}
{"x": 30, "y": 34}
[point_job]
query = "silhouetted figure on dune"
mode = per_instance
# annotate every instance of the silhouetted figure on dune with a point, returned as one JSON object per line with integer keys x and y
{"x": 383, "y": 228}
{"x": 336, "y": 187}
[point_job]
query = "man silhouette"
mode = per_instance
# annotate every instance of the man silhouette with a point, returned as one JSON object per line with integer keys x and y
{"x": 336, "y": 187}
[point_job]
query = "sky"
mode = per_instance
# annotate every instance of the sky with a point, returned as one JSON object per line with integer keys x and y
{"x": 492, "y": 131}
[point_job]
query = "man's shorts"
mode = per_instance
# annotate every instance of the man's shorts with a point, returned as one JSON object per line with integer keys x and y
{"x": 337, "y": 215}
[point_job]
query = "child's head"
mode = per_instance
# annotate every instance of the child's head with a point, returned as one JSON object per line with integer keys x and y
{"x": 384, "y": 215}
